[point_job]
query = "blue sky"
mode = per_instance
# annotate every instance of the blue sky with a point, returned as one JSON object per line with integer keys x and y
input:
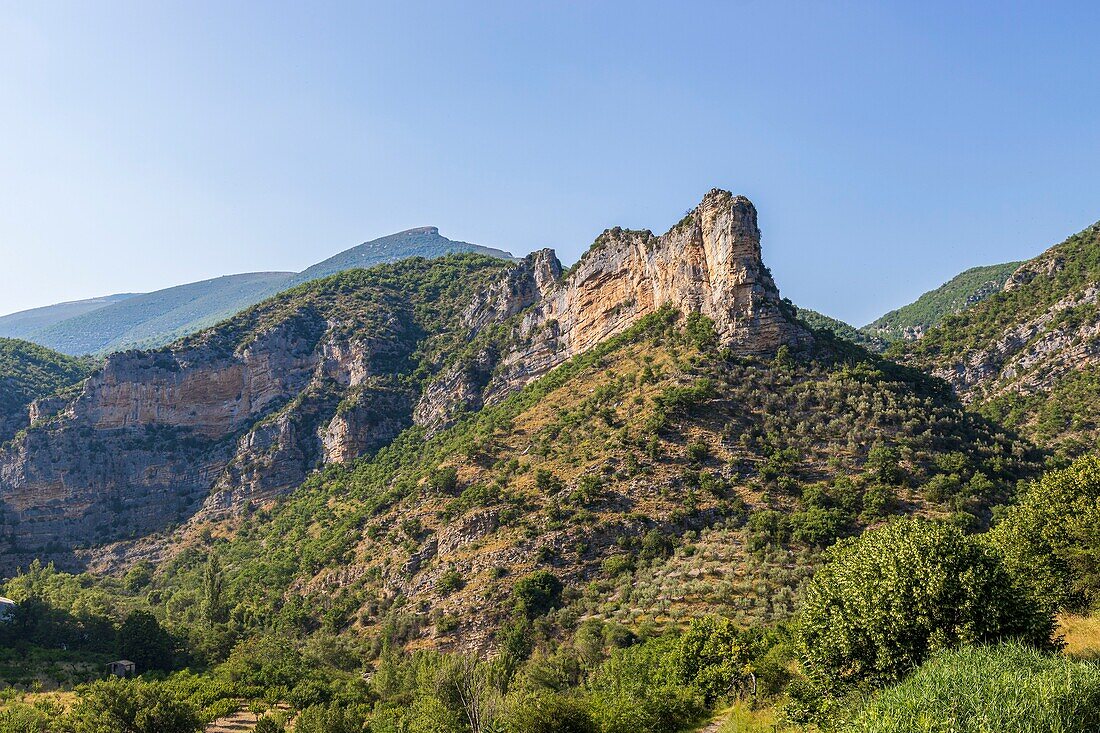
{"x": 887, "y": 146}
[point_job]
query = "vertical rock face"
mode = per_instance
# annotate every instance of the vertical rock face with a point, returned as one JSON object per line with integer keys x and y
{"x": 247, "y": 410}
{"x": 708, "y": 263}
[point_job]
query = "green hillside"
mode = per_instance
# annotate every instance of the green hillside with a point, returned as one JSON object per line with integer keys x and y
{"x": 151, "y": 320}
{"x": 957, "y": 294}
{"x": 27, "y": 372}
{"x": 842, "y": 330}
{"x": 1028, "y": 355}
{"x": 423, "y": 242}
{"x": 25, "y": 323}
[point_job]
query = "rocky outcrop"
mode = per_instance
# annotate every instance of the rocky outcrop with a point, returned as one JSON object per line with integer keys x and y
{"x": 1031, "y": 355}
{"x": 244, "y": 412}
{"x": 156, "y": 438}
{"x": 708, "y": 263}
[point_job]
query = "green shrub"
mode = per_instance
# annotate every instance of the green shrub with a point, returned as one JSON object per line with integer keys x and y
{"x": 638, "y": 690}
{"x": 887, "y": 600}
{"x": 1050, "y": 539}
{"x": 987, "y": 689}
{"x": 537, "y": 593}
{"x": 134, "y": 706}
{"x": 449, "y": 581}
{"x": 547, "y": 713}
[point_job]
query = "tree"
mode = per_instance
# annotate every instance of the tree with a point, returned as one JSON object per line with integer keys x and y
{"x": 885, "y": 601}
{"x": 537, "y": 593}
{"x": 331, "y": 718}
{"x": 1050, "y": 538}
{"x": 133, "y": 706}
{"x": 142, "y": 640}
{"x": 214, "y": 605}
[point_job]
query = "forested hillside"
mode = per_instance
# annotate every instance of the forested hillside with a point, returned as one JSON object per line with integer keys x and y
{"x": 968, "y": 288}
{"x": 1028, "y": 356}
{"x": 28, "y": 372}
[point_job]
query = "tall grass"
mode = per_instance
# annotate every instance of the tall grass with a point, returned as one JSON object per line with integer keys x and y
{"x": 990, "y": 689}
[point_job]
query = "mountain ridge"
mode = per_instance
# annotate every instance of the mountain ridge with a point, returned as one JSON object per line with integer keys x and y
{"x": 150, "y": 320}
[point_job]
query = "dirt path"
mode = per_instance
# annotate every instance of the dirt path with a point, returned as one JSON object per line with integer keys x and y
{"x": 714, "y": 726}
{"x": 239, "y": 722}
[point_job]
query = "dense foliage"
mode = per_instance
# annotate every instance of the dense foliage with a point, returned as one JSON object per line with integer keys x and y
{"x": 954, "y": 296}
{"x": 886, "y": 601}
{"x": 984, "y": 689}
{"x": 1050, "y": 538}
{"x": 27, "y": 372}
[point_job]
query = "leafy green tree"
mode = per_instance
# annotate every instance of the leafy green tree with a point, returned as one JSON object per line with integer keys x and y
{"x": 547, "y": 712}
{"x": 1050, "y": 538}
{"x": 331, "y": 718}
{"x": 133, "y": 706}
{"x": 214, "y": 605}
{"x": 885, "y": 601}
{"x": 142, "y": 640}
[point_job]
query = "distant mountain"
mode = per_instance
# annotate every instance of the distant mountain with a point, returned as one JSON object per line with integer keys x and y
{"x": 29, "y": 372}
{"x": 24, "y": 323}
{"x": 1029, "y": 355}
{"x": 149, "y": 320}
{"x": 842, "y": 330}
{"x": 956, "y": 295}
{"x": 424, "y": 242}
{"x": 153, "y": 319}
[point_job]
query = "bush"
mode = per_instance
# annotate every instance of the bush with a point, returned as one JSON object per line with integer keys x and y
{"x": 537, "y": 593}
{"x": 638, "y": 690}
{"x": 548, "y": 713}
{"x": 887, "y": 600}
{"x": 723, "y": 661}
{"x": 1050, "y": 539}
{"x": 983, "y": 689}
{"x": 134, "y": 706}
{"x": 333, "y": 718}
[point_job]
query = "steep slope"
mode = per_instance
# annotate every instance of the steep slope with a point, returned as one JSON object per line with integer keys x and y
{"x": 25, "y": 323}
{"x": 656, "y": 475}
{"x": 1029, "y": 355}
{"x": 956, "y": 295}
{"x": 240, "y": 412}
{"x": 842, "y": 330}
{"x": 655, "y": 428}
{"x": 29, "y": 372}
{"x": 152, "y": 320}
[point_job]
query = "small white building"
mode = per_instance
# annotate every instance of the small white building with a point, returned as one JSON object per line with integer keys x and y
{"x": 7, "y": 608}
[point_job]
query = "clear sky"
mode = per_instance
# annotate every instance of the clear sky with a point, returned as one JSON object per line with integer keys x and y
{"x": 886, "y": 145}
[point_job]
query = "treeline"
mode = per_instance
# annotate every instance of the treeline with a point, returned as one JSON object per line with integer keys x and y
{"x": 912, "y": 622}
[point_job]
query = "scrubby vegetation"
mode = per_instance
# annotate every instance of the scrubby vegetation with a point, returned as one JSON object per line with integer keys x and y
{"x": 28, "y": 372}
{"x": 966, "y": 289}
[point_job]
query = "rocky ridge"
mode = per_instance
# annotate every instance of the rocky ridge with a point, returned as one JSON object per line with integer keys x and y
{"x": 243, "y": 412}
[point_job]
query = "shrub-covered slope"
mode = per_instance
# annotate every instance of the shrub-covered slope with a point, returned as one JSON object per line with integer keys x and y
{"x": 966, "y": 289}
{"x": 326, "y": 371}
{"x": 842, "y": 330}
{"x": 655, "y": 476}
{"x": 28, "y": 372}
{"x": 1029, "y": 355}
{"x": 152, "y": 320}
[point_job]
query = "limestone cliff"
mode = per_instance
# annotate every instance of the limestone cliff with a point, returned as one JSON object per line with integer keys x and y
{"x": 336, "y": 369}
{"x": 710, "y": 263}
